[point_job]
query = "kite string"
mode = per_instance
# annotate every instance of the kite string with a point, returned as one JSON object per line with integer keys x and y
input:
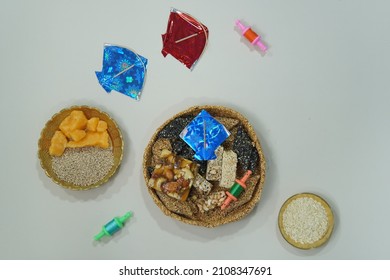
{"x": 124, "y": 70}
{"x": 185, "y": 16}
{"x": 185, "y": 38}
{"x": 131, "y": 66}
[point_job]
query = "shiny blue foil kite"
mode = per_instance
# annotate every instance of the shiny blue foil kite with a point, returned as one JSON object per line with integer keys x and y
{"x": 204, "y": 134}
{"x": 123, "y": 71}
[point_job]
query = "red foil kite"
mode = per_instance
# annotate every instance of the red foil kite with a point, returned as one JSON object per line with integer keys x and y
{"x": 185, "y": 38}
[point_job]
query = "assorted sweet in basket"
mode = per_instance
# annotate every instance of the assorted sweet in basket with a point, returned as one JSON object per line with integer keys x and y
{"x": 193, "y": 160}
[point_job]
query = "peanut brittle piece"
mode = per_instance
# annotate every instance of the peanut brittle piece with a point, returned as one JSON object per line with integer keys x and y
{"x": 213, "y": 200}
{"x": 174, "y": 176}
{"x": 202, "y": 186}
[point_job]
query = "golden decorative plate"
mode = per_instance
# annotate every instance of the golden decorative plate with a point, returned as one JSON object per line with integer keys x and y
{"x": 52, "y": 126}
{"x": 327, "y": 232}
{"x": 181, "y": 211}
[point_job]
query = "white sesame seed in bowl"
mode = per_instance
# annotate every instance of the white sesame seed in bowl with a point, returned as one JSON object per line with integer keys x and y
{"x": 306, "y": 221}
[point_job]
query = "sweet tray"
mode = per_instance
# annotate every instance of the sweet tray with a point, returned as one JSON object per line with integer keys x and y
{"x": 308, "y": 212}
{"x": 196, "y": 209}
{"x": 46, "y": 160}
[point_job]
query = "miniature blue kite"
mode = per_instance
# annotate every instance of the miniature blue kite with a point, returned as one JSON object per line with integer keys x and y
{"x": 204, "y": 134}
{"x": 123, "y": 71}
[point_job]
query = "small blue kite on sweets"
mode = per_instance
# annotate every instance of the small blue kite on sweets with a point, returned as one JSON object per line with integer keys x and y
{"x": 123, "y": 71}
{"x": 204, "y": 135}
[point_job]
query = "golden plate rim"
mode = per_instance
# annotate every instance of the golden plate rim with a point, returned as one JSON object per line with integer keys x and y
{"x": 249, "y": 206}
{"x": 67, "y": 185}
{"x": 329, "y": 213}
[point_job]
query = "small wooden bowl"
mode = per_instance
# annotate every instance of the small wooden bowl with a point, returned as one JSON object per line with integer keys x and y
{"x": 325, "y": 236}
{"x": 235, "y": 215}
{"x": 52, "y": 126}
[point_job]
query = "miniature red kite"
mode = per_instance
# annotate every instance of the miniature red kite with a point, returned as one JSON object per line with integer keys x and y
{"x": 185, "y": 38}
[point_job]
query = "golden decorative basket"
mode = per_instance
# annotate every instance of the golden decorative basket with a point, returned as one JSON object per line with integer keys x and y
{"x": 217, "y": 218}
{"x": 52, "y": 126}
{"x": 330, "y": 222}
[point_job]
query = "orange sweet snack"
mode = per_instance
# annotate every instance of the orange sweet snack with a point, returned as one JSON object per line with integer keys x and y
{"x": 92, "y": 124}
{"x": 77, "y": 135}
{"x": 58, "y": 144}
{"x": 96, "y": 139}
{"x": 77, "y": 131}
{"x": 102, "y": 126}
{"x": 76, "y": 120}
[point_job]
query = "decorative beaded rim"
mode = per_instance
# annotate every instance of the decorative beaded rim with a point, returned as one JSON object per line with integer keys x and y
{"x": 327, "y": 233}
{"x": 53, "y": 124}
{"x": 235, "y": 215}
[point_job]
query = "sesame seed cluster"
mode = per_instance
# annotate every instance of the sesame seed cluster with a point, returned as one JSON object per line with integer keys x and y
{"x": 83, "y": 166}
{"x": 305, "y": 220}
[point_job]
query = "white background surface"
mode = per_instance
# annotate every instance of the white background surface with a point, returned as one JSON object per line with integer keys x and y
{"x": 318, "y": 100}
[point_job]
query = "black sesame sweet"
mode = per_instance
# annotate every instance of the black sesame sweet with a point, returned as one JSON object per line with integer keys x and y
{"x": 181, "y": 148}
{"x": 175, "y": 127}
{"x": 243, "y": 146}
{"x": 254, "y": 160}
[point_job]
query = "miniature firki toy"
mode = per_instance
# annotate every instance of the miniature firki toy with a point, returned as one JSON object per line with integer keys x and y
{"x": 251, "y": 36}
{"x": 113, "y": 226}
{"x": 236, "y": 190}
